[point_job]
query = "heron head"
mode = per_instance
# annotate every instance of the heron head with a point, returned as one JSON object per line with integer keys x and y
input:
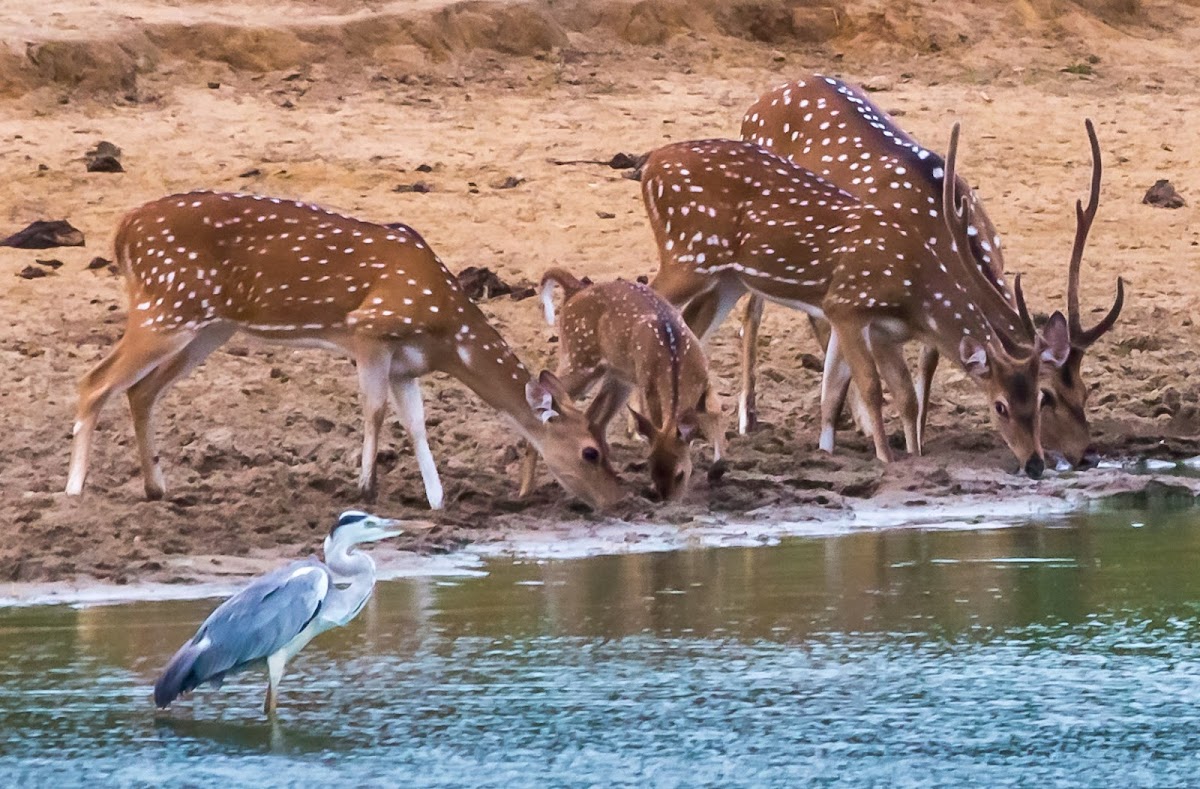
{"x": 355, "y": 526}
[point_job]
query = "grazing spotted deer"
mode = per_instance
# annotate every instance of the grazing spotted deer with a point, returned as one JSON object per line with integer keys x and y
{"x": 626, "y": 335}
{"x": 826, "y": 125}
{"x": 201, "y": 266}
{"x": 731, "y": 217}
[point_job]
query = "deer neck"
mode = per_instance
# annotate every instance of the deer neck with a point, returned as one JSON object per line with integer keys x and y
{"x": 987, "y": 296}
{"x": 484, "y": 362}
{"x": 949, "y": 310}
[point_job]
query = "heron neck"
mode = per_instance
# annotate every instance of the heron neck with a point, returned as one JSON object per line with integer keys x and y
{"x": 347, "y": 564}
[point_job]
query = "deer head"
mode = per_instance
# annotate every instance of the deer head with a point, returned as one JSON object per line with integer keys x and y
{"x": 573, "y": 453}
{"x": 670, "y": 459}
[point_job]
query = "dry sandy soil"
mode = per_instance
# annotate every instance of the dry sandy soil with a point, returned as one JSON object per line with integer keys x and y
{"x": 340, "y": 102}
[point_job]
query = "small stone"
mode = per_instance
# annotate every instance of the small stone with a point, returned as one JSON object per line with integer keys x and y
{"x": 104, "y": 158}
{"x": 53, "y": 263}
{"x": 32, "y": 272}
{"x": 424, "y": 168}
{"x": 1163, "y": 195}
{"x": 250, "y": 173}
{"x": 627, "y": 161}
{"x": 214, "y": 85}
{"x": 420, "y": 187}
{"x": 99, "y": 262}
{"x": 605, "y": 215}
{"x": 878, "y": 84}
{"x": 511, "y": 182}
{"x": 44, "y": 234}
{"x": 481, "y": 283}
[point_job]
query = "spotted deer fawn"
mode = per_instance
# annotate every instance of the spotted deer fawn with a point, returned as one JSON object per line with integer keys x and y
{"x": 731, "y": 218}
{"x": 833, "y": 129}
{"x": 625, "y": 336}
{"x": 201, "y": 266}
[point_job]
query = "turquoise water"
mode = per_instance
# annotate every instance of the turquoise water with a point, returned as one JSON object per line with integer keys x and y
{"x": 1064, "y": 653}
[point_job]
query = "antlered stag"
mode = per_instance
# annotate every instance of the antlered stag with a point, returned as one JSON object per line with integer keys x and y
{"x": 833, "y": 129}
{"x": 731, "y": 217}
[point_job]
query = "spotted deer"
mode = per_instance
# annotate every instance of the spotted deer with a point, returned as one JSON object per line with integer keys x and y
{"x": 625, "y": 336}
{"x": 732, "y": 217}
{"x": 827, "y": 126}
{"x": 201, "y": 266}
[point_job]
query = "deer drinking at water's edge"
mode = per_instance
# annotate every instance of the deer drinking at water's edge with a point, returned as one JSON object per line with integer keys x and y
{"x": 835, "y": 130}
{"x": 731, "y": 217}
{"x": 625, "y": 335}
{"x": 201, "y": 266}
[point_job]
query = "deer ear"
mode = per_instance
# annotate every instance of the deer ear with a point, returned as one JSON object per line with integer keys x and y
{"x": 1056, "y": 340}
{"x": 644, "y": 425}
{"x": 543, "y": 396}
{"x": 974, "y": 358}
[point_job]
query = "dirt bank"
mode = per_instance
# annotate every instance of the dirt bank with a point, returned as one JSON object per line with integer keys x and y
{"x": 260, "y": 446}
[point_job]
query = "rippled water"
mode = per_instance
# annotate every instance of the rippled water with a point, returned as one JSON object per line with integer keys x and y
{"x": 1065, "y": 653}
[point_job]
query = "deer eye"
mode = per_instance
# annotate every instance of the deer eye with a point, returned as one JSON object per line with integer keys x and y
{"x": 1001, "y": 409}
{"x": 591, "y": 455}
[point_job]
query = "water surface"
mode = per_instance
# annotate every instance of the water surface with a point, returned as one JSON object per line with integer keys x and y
{"x": 1061, "y": 653}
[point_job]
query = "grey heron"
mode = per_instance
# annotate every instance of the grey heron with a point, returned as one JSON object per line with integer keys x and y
{"x": 279, "y": 613}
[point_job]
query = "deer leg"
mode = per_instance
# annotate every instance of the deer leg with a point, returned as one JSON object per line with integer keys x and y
{"x": 747, "y": 404}
{"x": 835, "y": 382}
{"x": 851, "y": 333}
{"x": 609, "y": 400}
{"x": 858, "y": 410}
{"x": 681, "y": 288}
{"x": 528, "y": 472}
{"x": 711, "y": 311}
{"x": 712, "y": 428}
{"x": 136, "y": 354}
{"x": 639, "y": 404}
{"x": 406, "y": 396}
{"x": 925, "y": 369}
{"x": 145, "y": 394}
{"x": 374, "y": 368}
{"x": 890, "y": 358}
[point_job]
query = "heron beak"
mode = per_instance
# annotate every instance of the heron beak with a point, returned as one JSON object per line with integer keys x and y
{"x": 385, "y": 528}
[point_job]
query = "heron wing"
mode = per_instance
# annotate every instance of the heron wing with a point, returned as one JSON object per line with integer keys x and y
{"x": 260, "y": 619}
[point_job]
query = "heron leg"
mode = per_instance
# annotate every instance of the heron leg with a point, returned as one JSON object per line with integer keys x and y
{"x": 275, "y": 664}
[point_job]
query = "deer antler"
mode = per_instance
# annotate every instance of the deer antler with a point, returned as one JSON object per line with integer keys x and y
{"x": 1083, "y": 224}
{"x": 1026, "y": 318}
{"x": 957, "y": 214}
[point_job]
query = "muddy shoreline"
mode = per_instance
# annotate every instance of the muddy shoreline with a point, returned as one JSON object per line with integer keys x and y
{"x": 204, "y": 576}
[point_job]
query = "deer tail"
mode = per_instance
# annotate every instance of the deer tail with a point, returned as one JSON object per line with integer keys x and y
{"x": 565, "y": 280}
